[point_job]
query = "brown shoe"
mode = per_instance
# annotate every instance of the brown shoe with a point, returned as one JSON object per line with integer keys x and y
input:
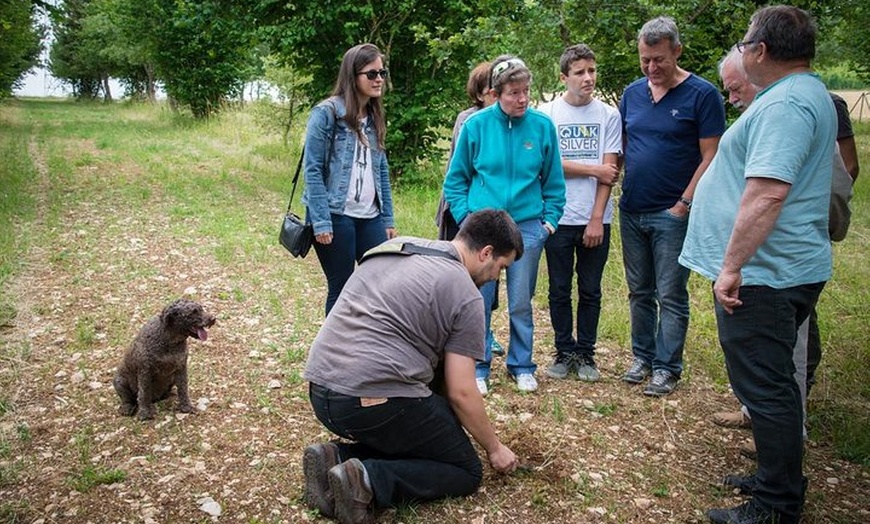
{"x": 353, "y": 495}
{"x": 317, "y": 460}
{"x": 732, "y": 419}
{"x": 747, "y": 449}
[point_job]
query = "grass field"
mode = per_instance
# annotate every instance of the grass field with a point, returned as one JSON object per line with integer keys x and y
{"x": 108, "y": 212}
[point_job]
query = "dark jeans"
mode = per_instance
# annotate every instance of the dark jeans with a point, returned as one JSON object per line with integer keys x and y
{"x": 758, "y": 340}
{"x": 414, "y": 449}
{"x": 351, "y": 238}
{"x": 566, "y": 256}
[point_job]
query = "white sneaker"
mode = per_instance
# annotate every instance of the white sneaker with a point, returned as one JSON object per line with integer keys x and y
{"x": 526, "y": 382}
{"x": 482, "y": 385}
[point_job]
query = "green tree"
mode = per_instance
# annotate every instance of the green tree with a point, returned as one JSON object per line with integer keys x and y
{"x": 75, "y": 57}
{"x": 203, "y": 51}
{"x": 117, "y": 32}
{"x": 427, "y": 78}
{"x": 290, "y": 100}
{"x": 20, "y": 42}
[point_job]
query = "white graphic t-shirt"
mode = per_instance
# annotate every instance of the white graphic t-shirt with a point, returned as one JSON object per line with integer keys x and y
{"x": 586, "y": 134}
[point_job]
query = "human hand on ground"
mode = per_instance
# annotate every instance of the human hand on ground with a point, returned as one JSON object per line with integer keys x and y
{"x": 503, "y": 459}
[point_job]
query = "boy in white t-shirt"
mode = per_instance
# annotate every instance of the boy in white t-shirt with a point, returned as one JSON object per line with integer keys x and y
{"x": 590, "y": 142}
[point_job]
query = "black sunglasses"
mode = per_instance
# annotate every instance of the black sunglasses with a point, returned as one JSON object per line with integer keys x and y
{"x": 373, "y": 74}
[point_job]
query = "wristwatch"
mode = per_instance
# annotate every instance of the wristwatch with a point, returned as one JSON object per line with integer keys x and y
{"x": 686, "y": 201}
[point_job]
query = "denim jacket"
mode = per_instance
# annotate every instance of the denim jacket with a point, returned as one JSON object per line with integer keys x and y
{"x": 328, "y": 162}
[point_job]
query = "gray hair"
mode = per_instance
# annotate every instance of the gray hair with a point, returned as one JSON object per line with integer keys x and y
{"x": 658, "y": 29}
{"x": 734, "y": 58}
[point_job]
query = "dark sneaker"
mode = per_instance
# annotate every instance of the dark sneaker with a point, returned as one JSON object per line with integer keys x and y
{"x": 353, "y": 495}
{"x": 317, "y": 460}
{"x": 561, "y": 367}
{"x": 750, "y": 512}
{"x": 496, "y": 348}
{"x": 662, "y": 383}
{"x": 745, "y": 485}
{"x": 587, "y": 370}
{"x": 638, "y": 372}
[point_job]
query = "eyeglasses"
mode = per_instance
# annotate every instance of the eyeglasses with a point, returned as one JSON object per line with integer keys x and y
{"x": 373, "y": 74}
{"x": 742, "y": 45}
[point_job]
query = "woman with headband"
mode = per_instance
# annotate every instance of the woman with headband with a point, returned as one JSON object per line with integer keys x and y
{"x": 507, "y": 157}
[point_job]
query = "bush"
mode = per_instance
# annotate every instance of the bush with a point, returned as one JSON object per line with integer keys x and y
{"x": 841, "y": 76}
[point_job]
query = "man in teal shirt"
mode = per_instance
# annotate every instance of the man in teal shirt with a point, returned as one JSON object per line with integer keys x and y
{"x": 759, "y": 231}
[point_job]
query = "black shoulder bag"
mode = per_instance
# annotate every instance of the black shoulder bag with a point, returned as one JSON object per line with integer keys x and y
{"x": 295, "y": 234}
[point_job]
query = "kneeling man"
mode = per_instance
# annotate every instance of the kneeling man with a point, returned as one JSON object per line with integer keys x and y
{"x": 410, "y": 308}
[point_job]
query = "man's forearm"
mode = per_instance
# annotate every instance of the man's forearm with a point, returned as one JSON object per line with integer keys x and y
{"x": 472, "y": 415}
{"x": 467, "y": 402}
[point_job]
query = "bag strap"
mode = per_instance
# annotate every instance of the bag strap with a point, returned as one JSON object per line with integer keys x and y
{"x": 407, "y": 249}
{"x": 296, "y": 179}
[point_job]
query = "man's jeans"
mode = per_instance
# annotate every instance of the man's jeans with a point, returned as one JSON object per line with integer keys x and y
{"x": 413, "y": 449}
{"x": 758, "y": 340}
{"x": 657, "y": 294}
{"x": 562, "y": 248}
{"x": 521, "y": 278}
{"x": 351, "y": 238}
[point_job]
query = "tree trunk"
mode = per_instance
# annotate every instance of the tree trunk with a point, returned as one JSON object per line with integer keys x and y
{"x": 106, "y": 90}
{"x": 150, "y": 88}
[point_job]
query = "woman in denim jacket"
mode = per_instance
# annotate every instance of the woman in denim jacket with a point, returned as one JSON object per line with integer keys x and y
{"x": 347, "y": 182}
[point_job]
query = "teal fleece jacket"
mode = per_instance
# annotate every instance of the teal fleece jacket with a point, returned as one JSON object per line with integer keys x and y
{"x": 508, "y": 163}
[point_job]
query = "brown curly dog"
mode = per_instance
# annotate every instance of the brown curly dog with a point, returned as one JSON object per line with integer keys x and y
{"x": 157, "y": 359}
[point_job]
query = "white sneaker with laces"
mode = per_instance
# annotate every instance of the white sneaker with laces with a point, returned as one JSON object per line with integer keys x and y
{"x": 482, "y": 386}
{"x": 526, "y": 382}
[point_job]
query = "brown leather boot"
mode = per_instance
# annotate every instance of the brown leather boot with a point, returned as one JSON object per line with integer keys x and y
{"x": 353, "y": 496}
{"x": 732, "y": 420}
{"x": 747, "y": 449}
{"x": 317, "y": 460}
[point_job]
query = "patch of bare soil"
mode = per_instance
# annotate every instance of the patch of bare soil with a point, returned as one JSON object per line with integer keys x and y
{"x": 594, "y": 452}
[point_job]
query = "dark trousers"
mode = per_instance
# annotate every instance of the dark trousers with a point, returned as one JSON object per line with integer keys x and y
{"x": 351, "y": 238}
{"x": 414, "y": 449}
{"x": 758, "y": 341}
{"x": 566, "y": 256}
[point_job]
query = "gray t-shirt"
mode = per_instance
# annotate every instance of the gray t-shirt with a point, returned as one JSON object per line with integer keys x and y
{"x": 394, "y": 320}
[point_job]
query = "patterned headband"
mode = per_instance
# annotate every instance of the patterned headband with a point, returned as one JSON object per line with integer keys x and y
{"x": 503, "y": 67}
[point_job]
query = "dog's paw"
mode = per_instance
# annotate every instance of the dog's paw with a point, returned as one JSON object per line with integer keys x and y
{"x": 146, "y": 414}
{"x": 127, "y": 410}
{"x": 186, "y": 408}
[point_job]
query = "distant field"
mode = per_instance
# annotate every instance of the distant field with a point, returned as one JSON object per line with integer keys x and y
{"x": 859, "y": 104}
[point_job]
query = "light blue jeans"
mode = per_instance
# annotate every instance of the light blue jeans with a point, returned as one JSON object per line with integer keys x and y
{"x": 658, "y": 297}
{"x": 521, "y": 279}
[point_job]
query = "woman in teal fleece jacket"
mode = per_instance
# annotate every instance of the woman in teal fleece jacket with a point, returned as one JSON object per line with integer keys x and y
{"x": 507, "y": 157}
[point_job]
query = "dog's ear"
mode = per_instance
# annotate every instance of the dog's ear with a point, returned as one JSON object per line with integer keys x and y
{"x": 172, "y": 313}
